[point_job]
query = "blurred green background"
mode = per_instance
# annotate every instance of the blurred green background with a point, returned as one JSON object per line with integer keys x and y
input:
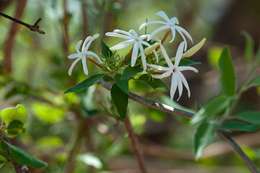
{"x": 38, "y": 79}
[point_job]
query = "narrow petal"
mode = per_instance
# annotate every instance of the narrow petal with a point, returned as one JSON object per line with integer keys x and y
{"x": 113, "y": 34}
{"x": 134, "y": 54}
{"x": 78, "y": 45}
{"x": 122, "y": 45}
{"x": 74, "y": 55}
{"x": 94, "y": 55}
{"x": 174, "y": 20}
{"x": 185, "y": 83}
{"x": 185, "y": 32}
{"x": 163, "y": 75}
{"x": 165, "y": 55}
{"x": 150, "y": 23}
{"x": 73, "y": 65}
{"x": 93, "y": 38}
{"x": 84, "y": 65}
{"x": 174, "y": 84}
{"x": 85, "y": 43}
{"x": 155, "y": 32}
{"x": 180, "y": 87}
{"x": 184, "y": 68}
{"x": 158, "y": 67}
{"x": 173, "y": 34}
{"x": 163, "y": 15}
{"x": 179, "y": 53}
{"x": 184, "y": 40}
{"x": 122, "y": 32}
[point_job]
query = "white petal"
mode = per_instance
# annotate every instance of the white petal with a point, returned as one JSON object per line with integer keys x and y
{"x": 179, "y": 53}
{"x": 94, "y": 55}
{"x": 85, "y": 43}
{"x": 113, "y": 34}
{"x": 163, "y": 75}
{"x": 84, "y": 64}
{"x": 93, "y": 38}
{"x": 73, "y": 65}
{"x": 134, "y": 54}
{"x": 184, "y": 68}
{"x": 78, "y": 45}
{"x": 74, "y": 55}
{"x": 163, "y": 15}
{"x": 165, "y": 55}
{"x": 122, "y": 45}
{"x": 174, "y": 20}
{"x": 185, "y": 83}
{"x": 158, "y": 67}
{"x": 155, "y": 32}
{"x": 122, "y": 32}
{"x": 174, "y": 84}
{"x": 143, "y": 57}
{"x": 185, "y": 32}
{"x": 180, "y": 87}
{"x": 173, "y": 34}
{"x": 151, "y": 23}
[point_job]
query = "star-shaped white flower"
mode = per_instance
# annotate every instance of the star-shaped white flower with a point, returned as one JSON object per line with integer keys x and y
{"x": 175, "y": 71}
{"x": 82, "y": 53}
{"x": 132, "y": 38}
{"x": 171, "y": 24}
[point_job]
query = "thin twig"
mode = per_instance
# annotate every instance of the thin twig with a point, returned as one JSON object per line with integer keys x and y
{"x": 135, "y": 145}
{"x": 35, "y": 27}
{"x": 251, "y": 166}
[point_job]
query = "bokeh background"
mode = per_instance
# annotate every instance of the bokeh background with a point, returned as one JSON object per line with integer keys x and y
{"x": 38, "y": 78}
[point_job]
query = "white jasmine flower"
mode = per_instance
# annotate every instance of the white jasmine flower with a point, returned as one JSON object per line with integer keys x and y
{"x": 82, "y": 53}
{"x": 175, "y": 71}
{"x": 132, "y": 38}
{"x": 167, "y": 23}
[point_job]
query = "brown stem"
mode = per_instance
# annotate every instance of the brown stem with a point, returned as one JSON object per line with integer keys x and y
{"x": 9, "y": 42}
{"x": 251, "y": 166}
{"x": 135, "y": 145}
{"x": 35, "y": 27}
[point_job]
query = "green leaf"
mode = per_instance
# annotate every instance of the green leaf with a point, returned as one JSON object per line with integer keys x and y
{"x": 106, "y": 52}
{"x": 255, "y": 82}
{"x": 211, "y": 109}
{"x": 14, "y": 113}
{"x": 249, "y": 46}
{"x": 154, "y": 83}
{"x": 120, "y": 100}
{"x": 227, "y": 73}
{"x": 250, "y": 116}
{"x": 83, "y": 86}
{"x": 130, "y": 72}
{"x": 236, "y": 125}
{"x": 20, "y": 156}
{"x": 203, "y": 137}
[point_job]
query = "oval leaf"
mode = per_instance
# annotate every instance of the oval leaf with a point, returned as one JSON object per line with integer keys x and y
{"x": 82, "y": 86}
{"x": 250, "y": 116}
{"x": 227, "y": 73}
{"x": 203, "y": 137}
{"x": 20, "y": 156}
{"x": 235, "y": 125}
{"x": 120, "y": 100}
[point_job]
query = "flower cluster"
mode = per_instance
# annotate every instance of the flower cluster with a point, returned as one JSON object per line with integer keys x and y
{"x": 140, "y": 44}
